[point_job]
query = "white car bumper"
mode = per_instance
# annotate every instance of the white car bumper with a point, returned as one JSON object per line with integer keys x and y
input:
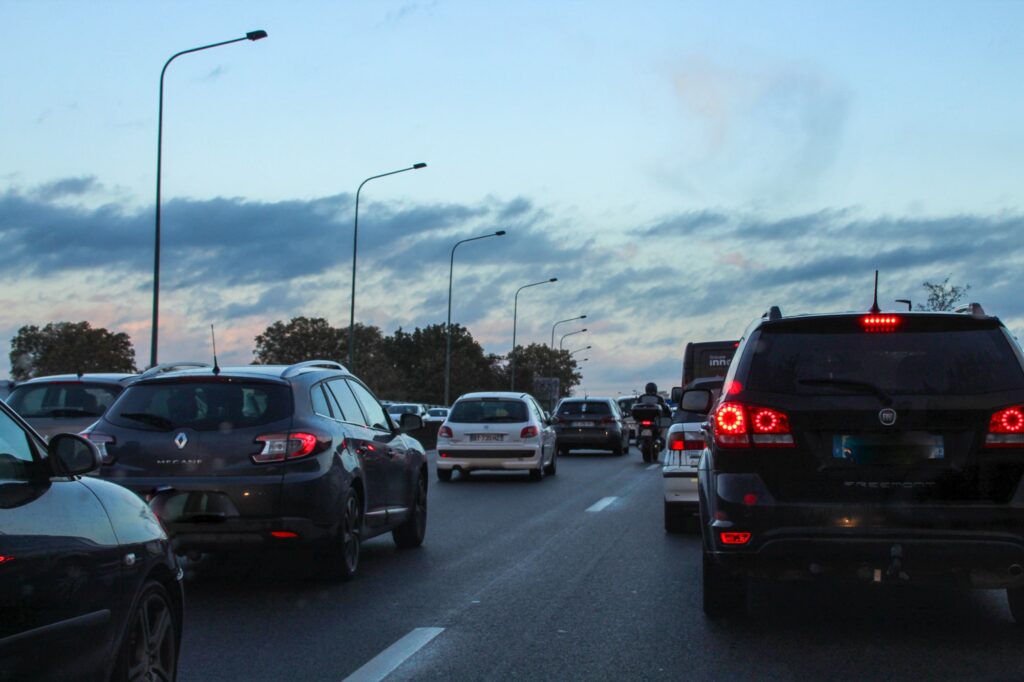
{"x": 472, "y": 457}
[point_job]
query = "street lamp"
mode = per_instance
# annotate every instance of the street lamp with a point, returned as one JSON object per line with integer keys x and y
{"x": 579, "y": 350}
{"x": 515, "y": 314}
{"x": 580, "y": 331}
{"x": 571, "y": 319}
{"x": 251, "y": 35}
{"x": 448, "y": 325}
{"x": 355, "y": 246}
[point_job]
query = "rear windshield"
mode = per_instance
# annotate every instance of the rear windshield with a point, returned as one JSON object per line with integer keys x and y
{"x": 917, "y": 363}
{"x": 594, "y": 407}
{"x": 488, "y": 410}
{"x": 207, "y": 406}
{"x": 437, "y": 413}
{"x": 403, "y": 409}
{"x": 64, "y": 399}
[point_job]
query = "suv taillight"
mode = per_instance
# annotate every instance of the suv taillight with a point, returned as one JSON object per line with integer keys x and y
{"x": 1006, "y": 428}
{"x": 528, "y": 432}
{"x": 737, "y": 426}
{"x": 445, "y": 432}
{"x": 277, "y": 447}
{"x": 100, "y": 440}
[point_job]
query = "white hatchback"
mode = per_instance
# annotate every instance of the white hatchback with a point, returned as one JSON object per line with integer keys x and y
{"x": 684, "y": 445}
{"x": 496, "y": 430}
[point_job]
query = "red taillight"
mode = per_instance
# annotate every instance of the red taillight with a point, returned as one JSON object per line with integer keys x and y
{"x": 445, "y": 432}
{"x": 4, "y": 558}
{"x": 608, "y": 420}
{"x": 734, "y": 388}
{"x": 528, "y": 432}
{"x": 685, "y": 441}
{"x": 1006, "y": 428}
{"x": 278, "y": 447}
{"x": 101, "y": 440}
{"x": 646, "y": 422}
{"x": 880, "y": 323}
{"x": 734, "y": 538}
{"x": 283, "y": 534}
{"x": 737, "y": 425}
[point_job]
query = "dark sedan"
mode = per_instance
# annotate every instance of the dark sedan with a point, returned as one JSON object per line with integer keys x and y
{"x": 590, "y": 424}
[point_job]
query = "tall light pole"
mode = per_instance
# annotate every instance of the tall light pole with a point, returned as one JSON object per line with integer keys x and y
{"x": 355, "y": 247}
{"x": 571, "y": 319}
{"x": 561, "y": 340}
{"x": 515, "y": 317}
{"x": 578, "y": 350}
{"x": 448, "y": 324}
{"x": 251, "y": 35}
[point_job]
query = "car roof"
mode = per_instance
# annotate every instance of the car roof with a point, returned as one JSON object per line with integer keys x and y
{"x": 574, "y": 399}
{"x": 98, "y": 378}
{"x": 495, "y": 394}
{"x": 281, "y": 372}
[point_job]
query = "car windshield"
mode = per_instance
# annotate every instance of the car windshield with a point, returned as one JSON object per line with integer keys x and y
{"x": 207, "y": 406}
{"x": 478, "y": 411}
{"x": 597, "y": 408}
{"x": 63, "y": 399}
{"x": 437, "y": 413}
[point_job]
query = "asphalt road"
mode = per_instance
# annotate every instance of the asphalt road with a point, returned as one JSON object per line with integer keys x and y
{"x": 518, "y": 580}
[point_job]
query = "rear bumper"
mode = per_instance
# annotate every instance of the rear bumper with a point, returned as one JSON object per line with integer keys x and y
{"x": 680, "y": 484}
{"x": 589, "y": 438}
{"x": 241, "y": 534}
{"x": 474, "y": 457}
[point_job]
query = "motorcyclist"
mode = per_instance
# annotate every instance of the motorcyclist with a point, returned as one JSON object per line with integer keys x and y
{"x": 651, "y": 397}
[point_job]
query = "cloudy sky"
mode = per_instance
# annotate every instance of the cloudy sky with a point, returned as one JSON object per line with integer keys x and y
{"x": 679, "y": 166}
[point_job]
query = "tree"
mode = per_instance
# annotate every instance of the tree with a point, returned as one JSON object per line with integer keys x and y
{"x": 537, "y": 360}
{"x": 943, "y": 295}
{"x": 69, "y": 348}
{"x": 302, "y": 338}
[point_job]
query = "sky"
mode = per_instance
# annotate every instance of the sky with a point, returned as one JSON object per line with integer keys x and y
{"x": 678, "y": 166}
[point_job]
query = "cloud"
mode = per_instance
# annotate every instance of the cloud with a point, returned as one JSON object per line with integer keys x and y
{"x": 68, "y": 187}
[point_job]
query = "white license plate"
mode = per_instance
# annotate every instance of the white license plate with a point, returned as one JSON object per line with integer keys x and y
{"x": 583, "y": 424}
{"x": 646, "y": 432}
{"x": 486, "y": 437}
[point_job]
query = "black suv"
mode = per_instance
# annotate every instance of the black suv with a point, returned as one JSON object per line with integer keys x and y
{"x": 886, "y": 447}
{"x": 267, "y": 456}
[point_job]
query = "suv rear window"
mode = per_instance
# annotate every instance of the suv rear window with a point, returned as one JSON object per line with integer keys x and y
{"x": 960, "y": 361}
{"x": 577, "y": 407}
{"x": 478, "y": 411}
{"x": 203, "y": 406}
{"x": 62, "y": 399}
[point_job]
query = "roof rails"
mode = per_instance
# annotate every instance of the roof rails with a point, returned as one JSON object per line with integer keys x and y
{"x": 300, "y": 367}
{"x": 974, "y": 309}
{"x": 170, "y": 367}
{"x": 773, "y": 313}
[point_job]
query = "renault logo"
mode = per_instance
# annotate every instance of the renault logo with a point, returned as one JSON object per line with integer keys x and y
{"x": 181, "y": 440}
{"x": 887, "y": 416}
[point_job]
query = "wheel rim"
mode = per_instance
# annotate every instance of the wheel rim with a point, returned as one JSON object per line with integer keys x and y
{"x": 152, "y": 642}
{"x": 350, "y": 535}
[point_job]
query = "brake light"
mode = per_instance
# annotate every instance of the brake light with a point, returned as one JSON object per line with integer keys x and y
{"x": 277, "y": 447}
{"x": 528, "y": 432}
{"x": 738, "y": 425}
{"x": 770, "y": 427}
{"x": 445, "y": 432}
{"x": 731, "y": 425}
{"x": 283, "y": 534}
{"x": 685, "y": 441}
{"x": 101, "y": 440}
{"x": 734, "y": 388}
{"x": 1006, "y": 428}
{"x": 4, "y": 558}
{"x": 734, "y": 538}
{"x": 646, "y": 422}
{"x": 880, "y": 323}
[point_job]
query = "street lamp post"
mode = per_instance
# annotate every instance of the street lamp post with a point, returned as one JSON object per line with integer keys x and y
{"x": 515, "y": 317}
{"x": 571, "y": 319}
{"x": 561, "y": 340}
{"x": 448, "y": 324}
{"x": 578, "y": 350}
{"x": 251, "y": 35}
{"x": 355, "y": 246}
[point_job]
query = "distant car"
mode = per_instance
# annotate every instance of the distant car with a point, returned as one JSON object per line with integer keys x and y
{"x": 501, "y": 430}
{"x": 590, "y": 424}
{"x": 268, "y": 456}
{"x": 684, "y": 444}
{"x": 625, "y": 405}
{"x": 435, "y": 416}
{"x": 396, "y": 410}
{"x": 89, "y": 586}
{"x": 66, "y": 403}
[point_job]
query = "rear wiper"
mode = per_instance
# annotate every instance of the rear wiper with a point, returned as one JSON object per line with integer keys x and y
{"x": 849, "y": 383}
{"x": 151, "y": 419}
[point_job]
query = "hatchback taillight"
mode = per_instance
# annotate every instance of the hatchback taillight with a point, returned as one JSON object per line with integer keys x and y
{"x": 738, "y": 425}
{"x": 685, "y": 441}
{"x": 277, "y": 447}
{"x": 528, "y": 432}
{"x": 101, "y": 440}
{"x": 1006, "y": 428}
{"x": 445, "y": 432}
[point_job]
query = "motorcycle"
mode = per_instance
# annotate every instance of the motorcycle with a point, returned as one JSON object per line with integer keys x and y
{"x": 648, "y": 418}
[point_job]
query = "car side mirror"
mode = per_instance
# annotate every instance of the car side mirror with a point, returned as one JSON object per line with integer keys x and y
{"x": 410, "y": 422}
{"x": 72, "y": 455}
{"x": 696, "y": 400}
{"x": 677, "y": 394}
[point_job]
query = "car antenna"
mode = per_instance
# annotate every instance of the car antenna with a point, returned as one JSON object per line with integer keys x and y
{"x": 874, "y": 306}
{"x": 213, "y": 338}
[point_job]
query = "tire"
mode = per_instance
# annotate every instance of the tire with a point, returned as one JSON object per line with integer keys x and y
{"x": 444, "y": 475}
{"x": 1015, "y": 598}
{"x": 617, "y": 450}
{"x": 725, "y": 594}
{"x": 150, "y": 648}
{"x": 552, "y": 468}
{"x": 677, "y": 518}
{"x": 537, "y": 474}
{"x": 412, "y": 531}
{"x": 343, "y": 555}
{"x": 646, "y": 450}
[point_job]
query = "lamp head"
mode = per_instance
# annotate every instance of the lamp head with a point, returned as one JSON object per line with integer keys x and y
{"x": 417, "y": 166}
{"x": 256, "y": 35}
{"x": 583, "y": 317}
{"x": 553, "y": 279}
{"x": 499, "y": 233}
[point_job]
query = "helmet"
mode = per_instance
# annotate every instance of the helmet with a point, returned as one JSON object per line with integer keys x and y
{"x": 651, "y": 388}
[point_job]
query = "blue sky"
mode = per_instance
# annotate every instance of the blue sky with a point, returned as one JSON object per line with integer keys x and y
{"x": 679, "y": 166}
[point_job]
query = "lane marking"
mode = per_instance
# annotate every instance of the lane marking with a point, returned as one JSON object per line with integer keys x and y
{"x": 653, "y": 467}
{"x": 384, "y": 663}
{"x": 601, "y": 504}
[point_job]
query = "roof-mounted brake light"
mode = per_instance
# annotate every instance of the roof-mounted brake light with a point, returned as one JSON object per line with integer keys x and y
{"x": 880, "y": 323}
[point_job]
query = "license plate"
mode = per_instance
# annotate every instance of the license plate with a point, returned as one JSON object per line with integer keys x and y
{"x": 584, "y": 424}
{"x": 646, "y": 432}
{"x": 903, "y": 448}
{"x": 486, "y": 437}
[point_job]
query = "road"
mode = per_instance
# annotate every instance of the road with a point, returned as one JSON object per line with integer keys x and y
{"x": 518, "y": 580}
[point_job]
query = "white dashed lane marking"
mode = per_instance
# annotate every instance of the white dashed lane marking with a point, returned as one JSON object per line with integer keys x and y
{"x": 384, "y": 663}
{"x": 601, "y": 504}
{"x": 653, "y": 467}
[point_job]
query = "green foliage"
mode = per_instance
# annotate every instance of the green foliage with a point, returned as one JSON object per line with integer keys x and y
{"x": 537, "y": 360}
{"x": 302, "y": 338}
{"x": 69, "y": 348}
{"x": 943, "y": 295}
